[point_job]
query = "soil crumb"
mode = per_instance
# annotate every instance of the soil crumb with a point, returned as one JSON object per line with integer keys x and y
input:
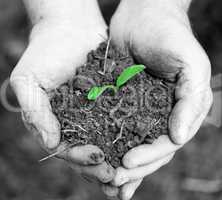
{"x": 137, "y": 114}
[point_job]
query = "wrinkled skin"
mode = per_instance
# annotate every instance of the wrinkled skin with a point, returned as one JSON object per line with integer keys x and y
{"x": 159, "y": 36}
{"x": 56, "y": 47}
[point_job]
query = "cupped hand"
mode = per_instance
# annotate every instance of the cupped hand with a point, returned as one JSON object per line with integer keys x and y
{"x": 56, "y": 48}
{"x": 159, "y": 35}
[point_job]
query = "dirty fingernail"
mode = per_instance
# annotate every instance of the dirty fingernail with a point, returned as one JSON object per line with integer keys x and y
{"x": 96, "y": 157}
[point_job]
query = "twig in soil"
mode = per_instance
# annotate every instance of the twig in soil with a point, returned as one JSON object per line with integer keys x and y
{"x": 163, "y": 84}
{"x": 80, "y": 127}
{"x": 76, "y": 125}
{"x": 85, "y": 111}
{"x": 157, "y": 122}
{"x": 119, "y": 136}
{"x": 99, "y": 132}
{"x": 56, "y": 153}
{"x": 101, "y": 73}
{"x": 106, "y": 55}
{"x": 68, "y": 130}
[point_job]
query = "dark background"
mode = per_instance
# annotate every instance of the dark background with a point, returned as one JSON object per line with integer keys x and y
{"x": 23, "y": 178}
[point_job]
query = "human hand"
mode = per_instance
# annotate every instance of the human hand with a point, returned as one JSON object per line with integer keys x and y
{"x": 58, "y": 44}
{"x": 159, "y": 35}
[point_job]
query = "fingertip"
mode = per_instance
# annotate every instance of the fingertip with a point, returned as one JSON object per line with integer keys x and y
{"x": 120, "y": 177}
{"x": 97, "y": 157}
{"x": 178, "y": 135}
{"x": 104, "y": 172}
{"x": 110, "y": 191}
{"x": 178, "y": 139}
{"x": 51, "y": 136}
{"x": 128, "y": 162}
{"x": 180, "y": 121}
{"x": 127, "y": 191}
{"x": 110, "y": 171}
{"x": 86, "y": 155}
{"x": 125, "y": 195}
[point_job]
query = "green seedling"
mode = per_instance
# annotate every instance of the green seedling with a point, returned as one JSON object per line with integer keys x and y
{"x": 97, "y": 91}
{"x": 129, "y": 73}
{"x": 125, "y": 76}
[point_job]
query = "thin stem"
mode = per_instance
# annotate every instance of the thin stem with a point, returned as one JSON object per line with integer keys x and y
{"x": 75, "y": 125}
{"x": 69, "y": 130}
{"x": 106, "y": 55}
{"x": 157, "y": 122}
{"x": 119, "y": 136}
{"x": 56, "y": 153}
{"x": 80, "y": 127}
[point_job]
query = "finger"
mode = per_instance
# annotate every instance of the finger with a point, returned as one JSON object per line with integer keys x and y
{"x": 109, "y": 190}
{"x": 84, "y": 155}
{"x": 124, "y": 175}
{"x": 149, "y": 153}
{"x": 102, "y": 172}
{"x": 189, "y": 113}
{"x": 127, "y": 191}
{"x": 36, "y": 109}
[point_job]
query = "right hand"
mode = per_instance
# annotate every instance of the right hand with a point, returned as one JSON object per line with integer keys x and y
{"x": 159, "y": 35}
{"x": 56, "y": 48}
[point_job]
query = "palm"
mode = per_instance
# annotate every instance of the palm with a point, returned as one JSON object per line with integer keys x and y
{"x": 56, "y": 52}
{"x": 164, "y": 42}
{"x": 50, "y": 59}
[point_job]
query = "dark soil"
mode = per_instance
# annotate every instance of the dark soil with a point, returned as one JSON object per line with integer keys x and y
{"x": 137, "y": 114}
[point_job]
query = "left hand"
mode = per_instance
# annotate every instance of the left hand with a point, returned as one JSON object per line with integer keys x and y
{"x": 59, "y": 42}
{"x": 159, "y": 35}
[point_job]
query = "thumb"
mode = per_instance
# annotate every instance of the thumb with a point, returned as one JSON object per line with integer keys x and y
{"x": 189, "y": 113}
{"x": 36, "y": 108}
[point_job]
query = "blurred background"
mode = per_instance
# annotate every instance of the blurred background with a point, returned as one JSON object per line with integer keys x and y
{"x": 195, "y": 173}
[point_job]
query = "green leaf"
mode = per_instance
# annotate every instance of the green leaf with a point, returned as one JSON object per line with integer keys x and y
{"x": 129, "y": 73}
{"x": 95, "y": 92}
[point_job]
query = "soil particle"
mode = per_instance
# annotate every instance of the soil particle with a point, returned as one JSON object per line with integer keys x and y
{"x": 137, "y": 114}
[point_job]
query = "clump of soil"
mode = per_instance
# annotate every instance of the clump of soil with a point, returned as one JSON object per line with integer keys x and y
{"x": 137, "y": 114}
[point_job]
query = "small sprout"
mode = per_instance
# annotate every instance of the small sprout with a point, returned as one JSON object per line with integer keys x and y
{"x": 129, "y": 73}
{"x": 95, "y": 92}
{"x": 126, "y": 75}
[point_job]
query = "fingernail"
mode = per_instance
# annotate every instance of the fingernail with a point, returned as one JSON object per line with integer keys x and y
{"x": 97, "y": 157}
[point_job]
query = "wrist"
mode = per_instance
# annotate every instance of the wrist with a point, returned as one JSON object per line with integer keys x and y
{"x": 74, "y": 12}
{"x": 160, "y": 10}
{"x": 170, "y": 4}
{"x": 72, "y": 17}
